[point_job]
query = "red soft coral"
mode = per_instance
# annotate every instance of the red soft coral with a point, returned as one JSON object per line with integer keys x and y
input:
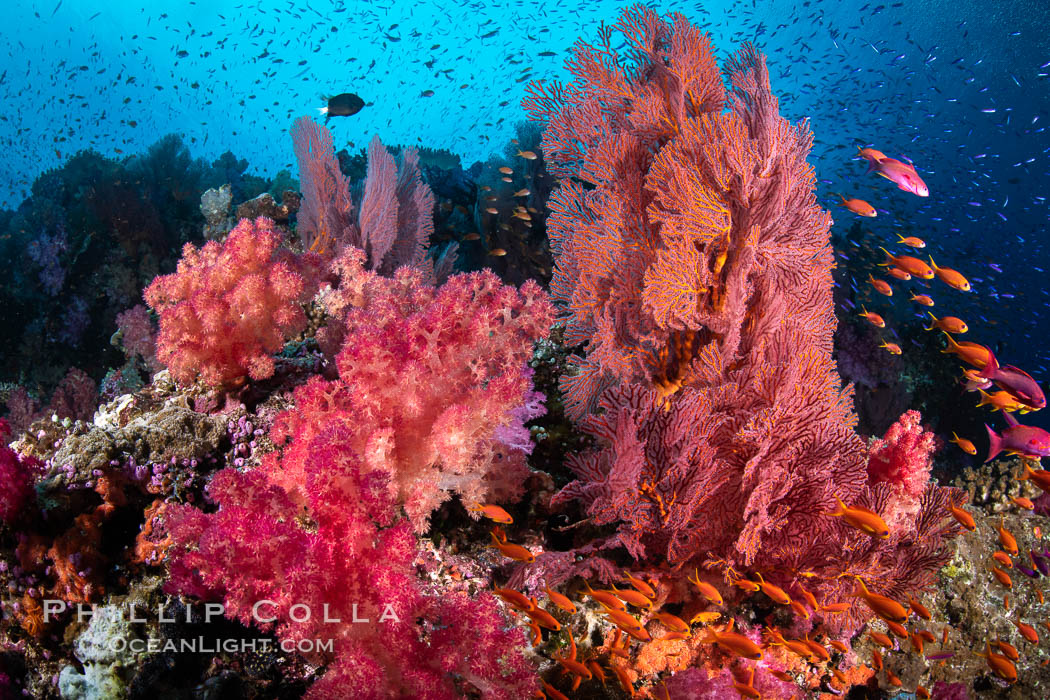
{"x": 228, "y": 307}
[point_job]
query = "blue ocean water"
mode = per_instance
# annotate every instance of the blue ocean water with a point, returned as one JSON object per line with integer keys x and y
{"x": 960, "y": 88}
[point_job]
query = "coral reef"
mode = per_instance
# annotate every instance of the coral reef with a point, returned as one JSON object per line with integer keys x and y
{"x": 326, "y": 464}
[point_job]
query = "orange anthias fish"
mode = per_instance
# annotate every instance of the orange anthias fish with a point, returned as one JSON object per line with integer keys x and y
{"x": 672, "y": 622}
{"x": 493, "y": 513}
{"x": 706, "y": 589}
{"x": 734, "y": 643}
{"x": 640, "y": 585}
{"x": 881, "y": 639}
{"x": 919, "y": 609}
{"x": 1008, "y": 650}
{"x": 632, "y": 597}
{"x": 867, "y": 521}
{"x": 705, "y": 617}
{"x": 560, "y": 600}
{"x": 514, "y": 598}
{"x": 881, "y": 286}
{"x": 1040, "y": 478}
{"x": 606, "y": 598}
{"x": 775, "y": 593}
{"x": 1002, "y": 577}
{"x": 923, "y": 299}
{"x": 999, "y": 664}
{"x": 858, "y": 206}
{"x": 948, "y": 324}
{"x": 911, "y": 241}
{"x": 870, "y": 155}
{"x": 1006, "y": 539}
{"x": 898, "y": 273}
{"x": 891, "y": 348}
{"x": 1023, "y": 502}
{"x": 970, "y": 353}
{"x": 1027, "y": 631}
{"x": 513, "y": 551}
{"x": 1002, "y": 401}
{"x": 886, "y": 608}
{"x": 950, "y": 277}
{"x": 962, "y": 517}
{"x": 795, "y": 646}
{"x": 1003, "y": 558}
{"x": 911, "y": 265}
{"x": 872, "y": 318}
{"x": 964, "y": 444}
{"x": 747, "y": 690}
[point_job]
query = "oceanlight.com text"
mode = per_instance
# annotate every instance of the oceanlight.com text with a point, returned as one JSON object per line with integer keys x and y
{"x": 204, "y": 645}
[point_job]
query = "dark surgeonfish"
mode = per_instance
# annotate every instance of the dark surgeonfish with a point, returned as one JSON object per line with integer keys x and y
{"x": 342, "y": 105}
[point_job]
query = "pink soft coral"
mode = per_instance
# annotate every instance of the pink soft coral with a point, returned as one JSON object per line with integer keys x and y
{"x": 438, "y": 383}
{"x": 228, "y": 307}
{"x": 902, "y": 458}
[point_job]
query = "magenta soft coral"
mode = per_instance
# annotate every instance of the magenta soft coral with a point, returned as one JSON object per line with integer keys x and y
{"x": 17, "y": 473}
{"x": 228, "y": 307}
{"x": 337, "y": 546}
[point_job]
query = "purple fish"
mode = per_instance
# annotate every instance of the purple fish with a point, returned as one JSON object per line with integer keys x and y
{"x": 1024, "y": 440}
{"x": 1030, "y": 573}
{"x": 1040, "y": 562}
{"x": 1015, "y": 382}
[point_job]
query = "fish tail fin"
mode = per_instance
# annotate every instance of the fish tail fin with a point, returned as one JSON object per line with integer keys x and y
{"x": 322, "y": 110}
{"x": 840, "y": 507}
{"x": 1010, "y": 420}
{"x": 952, "y": 345}
{"x": 934, "y": 324}
{"x": 995, "y": 444}
{"x": 889, "y": 256}
{"x": 991, "y": 367}
{"x": 986, "y": 400}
